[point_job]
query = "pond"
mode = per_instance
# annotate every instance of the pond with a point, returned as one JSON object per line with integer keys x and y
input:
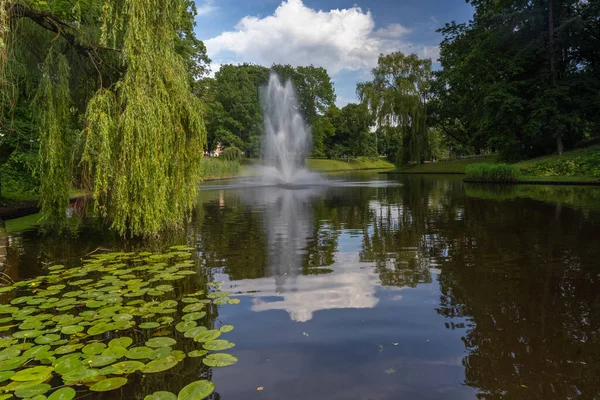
{"x": 367, "y": 287}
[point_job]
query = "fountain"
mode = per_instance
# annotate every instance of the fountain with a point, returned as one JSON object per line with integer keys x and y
{"x": 287, "y": 139}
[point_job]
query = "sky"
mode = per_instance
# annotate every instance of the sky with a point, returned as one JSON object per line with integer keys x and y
{"x": 343, "y": 36}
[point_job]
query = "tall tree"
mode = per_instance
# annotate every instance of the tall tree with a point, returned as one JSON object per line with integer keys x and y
{"x": 127, "y": 74}
{"x": 397, "y": 98}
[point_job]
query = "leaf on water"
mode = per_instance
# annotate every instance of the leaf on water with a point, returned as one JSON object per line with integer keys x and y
{"x": 161, "y": 396}
{"x": 185, "y": 326}
{"x": 160, "y": 365}
{"x": 207, "y": 336}
{"x": 32, "y": 390}
{"x": 219, "y": 360}
{"x": 65, "y": 393}
{"x": 122, "y": 342}
{"x": 226, "y": 328}
{"x": 197, "y": 353}
{"x": 108, "y": 384}
{"x": 161, "y": 342}
{"x": 93, "y": 348}
{"x": 196, "y": 390}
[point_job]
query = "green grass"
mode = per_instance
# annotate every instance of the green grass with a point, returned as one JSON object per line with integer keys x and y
{"x": 493, "y": 172}
{"x": 577, "y": 163}
{"x": 324, "y": 165}
{"x": 447, "y": 167}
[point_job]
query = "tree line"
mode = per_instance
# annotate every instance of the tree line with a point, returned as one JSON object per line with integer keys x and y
{"x": 122, "y": 106}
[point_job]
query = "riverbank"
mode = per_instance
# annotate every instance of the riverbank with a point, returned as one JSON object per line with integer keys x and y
{"x": 581, "y": 166}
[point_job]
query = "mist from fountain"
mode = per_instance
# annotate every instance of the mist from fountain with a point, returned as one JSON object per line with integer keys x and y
{"x": 288, "y": 140}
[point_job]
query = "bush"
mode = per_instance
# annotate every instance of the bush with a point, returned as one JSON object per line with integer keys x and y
{"x": 232, "y": 154}
{"x": 213, "y": 168}
{"x": 493, "y": 172}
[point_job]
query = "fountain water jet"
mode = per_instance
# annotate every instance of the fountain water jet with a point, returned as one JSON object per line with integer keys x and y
{"x": 287, "y": 139}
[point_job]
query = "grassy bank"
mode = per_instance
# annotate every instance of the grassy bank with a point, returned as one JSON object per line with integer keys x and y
{"x": 214, "y": 168}
{"x": 324, "y": 165}
{"x": 580, "y": 165}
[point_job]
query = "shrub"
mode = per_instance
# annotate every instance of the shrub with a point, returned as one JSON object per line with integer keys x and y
{"x": 493, "y": 172}
{"x": 213, "y": 168}
{"x": 232, "y": 154}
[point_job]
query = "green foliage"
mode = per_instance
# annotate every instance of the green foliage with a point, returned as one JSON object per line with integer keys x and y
{"x": 144, "y": 141}
{"x": 583, "y": 162}
{"x": 56, "y": 139}
{"x": 397, "y": 99}
{"x": 493, "y": 172}
{"x": 521, "y": 78}
{"x": 214, "y": 168}
{"x": 232, "y": 154}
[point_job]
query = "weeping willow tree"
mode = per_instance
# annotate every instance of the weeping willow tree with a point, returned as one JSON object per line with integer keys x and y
{"x": 112, "y": 104}
{"x": 397, "y": 99}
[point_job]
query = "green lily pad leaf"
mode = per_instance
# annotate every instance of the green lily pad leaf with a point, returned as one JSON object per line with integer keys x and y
{"x": 139, "y": 353}
{"x": 95, "y": 304}
{"x": 226, "y": 328}
{"x": 189, "y": 300}
{"x": 218, "y": 345}
{"x": 98, "y": 329}
{"x": 129, "y": 367}
{"x": 207, "y": 336}
{"x": 219, "y": 360}
{"x": 4, "y": 376}
{"x": 161, "y": 342}
{"x": 27, "y": 334}
{"x": 234, "y": 301}
{"x": 197, "y": 353}
{"x": 69, "y": 348}
{"x": 165, "y": 321}
{"x": 160, "y": 365}
{"x": 149, "y": 325}
{"x": 194, "y": 331}
{"x": 33, "y": 374}
{"x": 32, "y": 390}
{"x": 168, "y": 304}
{"x": 81, "y": 376}
{"x": 161, "y": 352}
{"x": 122, "y": 317}
{"x": 161, "y": 396}
{"x": 116, "y": 351}
{"x": 196, "y": 390}
{"x": 69, "y": 365}
{"x": 65, "y": 393}
{"x": 185, "y": 326}
{"x": 122, "y": 342}
{"x": 93, "y": 348}
{"x": 101, "y": 360}
{"x": 179, "y": 355}
{"x": 108, "y": 384}
{"x": 35, "y": 351}
{"x": 194, "y": 316}
{"x": 71, "y": 330}
{"x": 193, "y": 307}
{"x": 47, "y": 339}
{"x": 11, "y": 352}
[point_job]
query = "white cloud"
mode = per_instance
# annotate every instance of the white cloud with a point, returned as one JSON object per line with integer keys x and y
{"x": 341, "y": 39}
{"x": 206, "y": 8}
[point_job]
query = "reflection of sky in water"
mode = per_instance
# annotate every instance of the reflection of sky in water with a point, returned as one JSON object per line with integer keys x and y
{"x": 290, "y": 226}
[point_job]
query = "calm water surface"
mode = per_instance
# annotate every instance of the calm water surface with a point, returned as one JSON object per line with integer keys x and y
{"x": 408, "y": 287}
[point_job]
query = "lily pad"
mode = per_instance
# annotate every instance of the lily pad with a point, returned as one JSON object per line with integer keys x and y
{"x": 196, "y": 390}
{"x": 71, "y": 329}
{"x": 185, "y": 326}
{"x": 32, "y": 390}
{"x": 93, "y": 348}
{"x": 219, "y": 360}
{"x": 65, "y": 393}
{"x": 160, "y": 365}
{"x": 197, "y": 353}
{"x": 193, "y": 307}
{"x": 33, "y": 374}
{"x": 194, "y": 316}
{"x": 139, "y": 353}
{"x": 122, "y": 341}
{"x": 161, "y": 396}
{"x": 101, "y": 360}
{"x": 226, "y": 328}
{"x": 218, "y": 345}
{"x": 129, "y": 367}
{"x": 149, "y": 325}
{"x": 108, "y": 384}
{"x": 207, "y": 336}
{"x": 195, "y": 331}
{"x": 160, "y": 342}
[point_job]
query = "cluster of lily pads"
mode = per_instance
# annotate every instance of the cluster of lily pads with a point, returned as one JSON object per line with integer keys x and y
{"x": 67, "y": 331}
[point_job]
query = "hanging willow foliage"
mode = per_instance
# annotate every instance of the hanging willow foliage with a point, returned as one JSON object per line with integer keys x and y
{"x": 56, "y": 138}
{"x": 397, "y": 97}
{"x": 145, "y": 138}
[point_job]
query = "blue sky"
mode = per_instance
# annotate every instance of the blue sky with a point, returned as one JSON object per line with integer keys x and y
{"x": 345, "y": 37}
